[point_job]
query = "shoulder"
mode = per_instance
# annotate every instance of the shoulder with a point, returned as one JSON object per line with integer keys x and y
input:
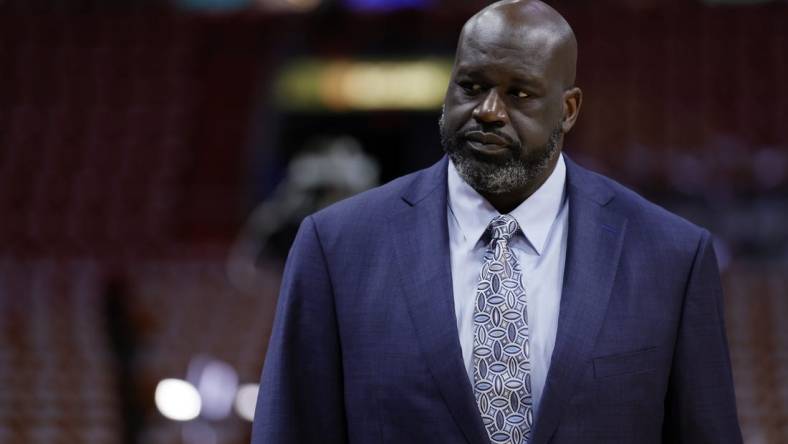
{"x": 645, "y": 219}
{"x": 368, "y": 212}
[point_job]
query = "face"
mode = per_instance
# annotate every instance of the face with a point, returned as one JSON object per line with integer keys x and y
{"x": 503, "y": 117}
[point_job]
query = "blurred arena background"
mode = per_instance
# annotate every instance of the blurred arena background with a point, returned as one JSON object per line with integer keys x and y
{"x": 156, "y": 157}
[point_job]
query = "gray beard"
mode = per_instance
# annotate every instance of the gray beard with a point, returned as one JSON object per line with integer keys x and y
{"x": 515, "y": 173}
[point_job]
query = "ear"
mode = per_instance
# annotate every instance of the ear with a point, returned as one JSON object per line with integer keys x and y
{"x": 573, "y": 99}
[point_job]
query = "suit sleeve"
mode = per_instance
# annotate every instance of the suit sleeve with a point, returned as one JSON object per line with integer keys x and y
{"x": 301, "y": 390}
{"x": 700, "y": 403}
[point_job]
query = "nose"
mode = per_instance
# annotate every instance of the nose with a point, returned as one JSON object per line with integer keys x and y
{"x": 492, "y": 111}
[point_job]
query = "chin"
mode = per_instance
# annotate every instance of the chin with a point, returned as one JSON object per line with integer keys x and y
{"x": 489, "y": 176}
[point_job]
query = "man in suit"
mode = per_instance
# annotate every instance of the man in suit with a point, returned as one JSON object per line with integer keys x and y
{"x": 504, "y": 294}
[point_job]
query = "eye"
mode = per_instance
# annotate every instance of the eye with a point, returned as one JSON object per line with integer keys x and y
{"x": 471, "y": 88}
{"x": 522, "y": 94}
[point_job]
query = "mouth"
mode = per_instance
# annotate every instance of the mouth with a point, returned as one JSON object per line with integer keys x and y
{"x": 487, "y": 138}
{"x": 488, "y": 144}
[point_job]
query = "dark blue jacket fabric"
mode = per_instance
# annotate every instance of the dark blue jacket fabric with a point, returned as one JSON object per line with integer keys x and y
{"x": 365, "y": 348}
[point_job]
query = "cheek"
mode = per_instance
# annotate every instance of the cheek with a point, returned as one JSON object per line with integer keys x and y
{"x": 554, "y": 111}
{"x": 529, "y": 123}
{"x": 534, "y": 125}
{"x": 457, "y": 107}
{"x": 532, "y": 132}
{"x": 456, "y": 116}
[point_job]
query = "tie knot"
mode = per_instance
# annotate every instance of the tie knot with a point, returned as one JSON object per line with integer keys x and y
{"x": 503, "y": 227}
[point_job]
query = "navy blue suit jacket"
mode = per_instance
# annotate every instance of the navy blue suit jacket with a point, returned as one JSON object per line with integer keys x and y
{"x": 365, "y": 346}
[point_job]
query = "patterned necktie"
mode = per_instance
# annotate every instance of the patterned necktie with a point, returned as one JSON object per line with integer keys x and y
{"x": 501, "y": 368}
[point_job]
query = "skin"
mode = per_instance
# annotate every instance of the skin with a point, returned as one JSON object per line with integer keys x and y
{"x": 512, "y": 88}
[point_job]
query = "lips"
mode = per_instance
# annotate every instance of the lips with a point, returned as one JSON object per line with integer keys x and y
{"x": 487, "y": 138}
{"x": 489, "y": 146}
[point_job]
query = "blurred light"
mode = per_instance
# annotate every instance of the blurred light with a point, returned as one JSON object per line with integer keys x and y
{"x": 386, "y": 5}
{"x": 338, "y": 164}
{"x": 213, "y": 5}
{"x": 304, "y": 5}
{"x": 177, "y": 400}
{"x": 364, "y": 85}
{"x": 216, "y": 384}
{"x": 285, "y": 6}
{"x": 246, "y": 400}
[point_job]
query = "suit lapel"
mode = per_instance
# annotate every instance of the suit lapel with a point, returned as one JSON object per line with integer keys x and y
{"x": 596, "y": 235}
{"x": 419, "y": 233}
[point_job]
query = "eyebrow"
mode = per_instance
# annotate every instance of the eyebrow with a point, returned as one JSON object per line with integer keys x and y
{"x": 520, "y": 77}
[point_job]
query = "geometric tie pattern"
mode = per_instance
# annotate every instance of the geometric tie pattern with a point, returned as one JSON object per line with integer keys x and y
{"x": 501, "y": 366}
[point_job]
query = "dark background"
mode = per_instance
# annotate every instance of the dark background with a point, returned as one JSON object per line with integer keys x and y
{"x": 136, "y": 137}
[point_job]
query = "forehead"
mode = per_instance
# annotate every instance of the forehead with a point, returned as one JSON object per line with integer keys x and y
{"x": 495, "y": 45}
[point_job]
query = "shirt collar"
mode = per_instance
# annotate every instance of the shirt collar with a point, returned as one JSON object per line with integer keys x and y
{"x": 535, "y": 215}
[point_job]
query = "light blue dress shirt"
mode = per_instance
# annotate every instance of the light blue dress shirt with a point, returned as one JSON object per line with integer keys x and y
{"x": 541, "y": 252}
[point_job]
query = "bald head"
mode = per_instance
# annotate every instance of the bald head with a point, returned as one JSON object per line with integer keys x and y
{"x": 534, "y": 25}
